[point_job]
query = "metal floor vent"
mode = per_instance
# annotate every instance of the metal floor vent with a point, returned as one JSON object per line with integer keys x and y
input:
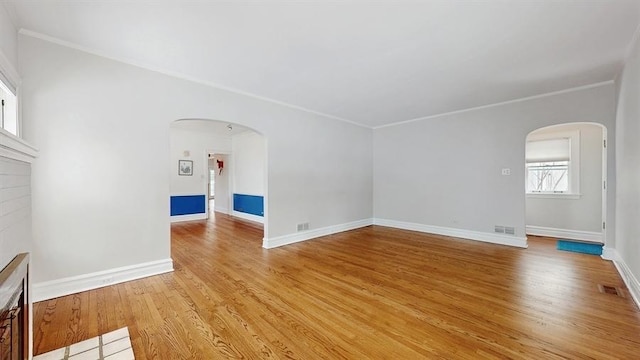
{"x": 606, "y": 289}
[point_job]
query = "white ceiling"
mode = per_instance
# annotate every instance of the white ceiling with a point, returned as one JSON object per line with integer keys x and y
{"x": 213, "y": 126}
{"x": 373, "y": 63}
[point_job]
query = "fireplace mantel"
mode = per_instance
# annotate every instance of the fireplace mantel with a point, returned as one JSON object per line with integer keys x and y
{"x": 13, "y": 147}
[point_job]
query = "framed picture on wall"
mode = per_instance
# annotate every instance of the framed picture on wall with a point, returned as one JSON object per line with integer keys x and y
{"x": 185, "y": 167}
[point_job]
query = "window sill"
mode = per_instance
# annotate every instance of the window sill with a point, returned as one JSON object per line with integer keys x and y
{"x": 553, "y": 196}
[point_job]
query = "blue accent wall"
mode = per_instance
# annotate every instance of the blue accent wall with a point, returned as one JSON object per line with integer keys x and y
{"x": 188, "y": 204}
{"x": 249, "y": 204}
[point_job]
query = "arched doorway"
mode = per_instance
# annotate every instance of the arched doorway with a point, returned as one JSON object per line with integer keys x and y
{"x": 566, "y": 174}
{"x": 237, "y": 156}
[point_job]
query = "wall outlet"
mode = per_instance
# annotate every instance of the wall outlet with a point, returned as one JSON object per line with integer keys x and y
{"x": 303, "y": 226}
{"x": 506, "y": 171}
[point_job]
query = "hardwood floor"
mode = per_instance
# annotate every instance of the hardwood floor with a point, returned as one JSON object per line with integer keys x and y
{"x": 375, "y": 292}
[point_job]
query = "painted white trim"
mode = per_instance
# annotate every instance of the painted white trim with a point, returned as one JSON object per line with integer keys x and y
{"x": 13, "y": 147}
{"x": 627, "y": 276}
{"x": 189, "y": 217}
{"x": 175, "y": 74}
{"x": 458, "y": 233}
{"x": 75, "y": 284}
{"x": 562, "y": 196}
{"x": 553, "y": 93}
{"x": 250, "y": 217}
{"x": 313, "y": 233}
{"x": 590, "y": 236}
{"x": 608, "y": 253}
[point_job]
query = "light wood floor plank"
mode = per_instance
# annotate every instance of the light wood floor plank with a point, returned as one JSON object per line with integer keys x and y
{"x": 374, "y": 292}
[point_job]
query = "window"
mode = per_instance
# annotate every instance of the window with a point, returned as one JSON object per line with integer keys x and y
{"x": 8, "y": 110}
{"x": 551, "y": 162}
{"x": 548, "y": 177}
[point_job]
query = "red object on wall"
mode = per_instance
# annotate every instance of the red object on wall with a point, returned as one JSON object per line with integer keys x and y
{"x": 220, "y": 166}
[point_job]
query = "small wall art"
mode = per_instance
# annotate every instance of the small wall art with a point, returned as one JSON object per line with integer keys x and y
{"x": 185, "y": 167}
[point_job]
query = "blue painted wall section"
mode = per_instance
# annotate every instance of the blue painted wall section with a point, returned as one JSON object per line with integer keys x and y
{"x": 249, "y": 204}
{"x": 187, "y": 205}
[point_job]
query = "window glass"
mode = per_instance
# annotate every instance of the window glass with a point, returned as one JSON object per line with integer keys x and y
{"x": 549, "y": 177}
{"x": 8, "y": 110}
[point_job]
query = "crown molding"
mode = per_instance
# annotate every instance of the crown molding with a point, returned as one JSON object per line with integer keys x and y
{"x": 178, "y": 75}
{"x": 527, "y": 98}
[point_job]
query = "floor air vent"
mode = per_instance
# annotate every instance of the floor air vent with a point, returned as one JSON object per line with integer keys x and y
{"x": 606, "y": 289}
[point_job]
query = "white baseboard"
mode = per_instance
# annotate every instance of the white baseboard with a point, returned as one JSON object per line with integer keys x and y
{"x": 627, "y": 276}
{"x": 71, "y": 285}
{"x": 189, "y": 217}
{"x": 590, "y": 236}
{"x": 453, "y": 232}
{"x": 608, "y": 253}
{"x": 314, "y": 233}
{"x": 250, "y": 217}
{"x": 221, "y": 210}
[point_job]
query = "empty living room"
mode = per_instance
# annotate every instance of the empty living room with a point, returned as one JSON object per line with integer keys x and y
{"x": 319, "y": 179}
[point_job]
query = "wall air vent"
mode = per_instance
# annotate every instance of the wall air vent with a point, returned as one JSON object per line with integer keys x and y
{"x": 499, "y": 229}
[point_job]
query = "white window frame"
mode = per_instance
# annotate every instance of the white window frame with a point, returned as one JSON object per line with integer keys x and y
{"x": 9, "y": 116}
{"x": 11, "y": 81}
{"x": 574, "y": 165}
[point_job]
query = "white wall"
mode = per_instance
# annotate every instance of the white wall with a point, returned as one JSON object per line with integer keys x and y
{"x": 197, "y": 144}
{"x": 8, "y": 38}
{"x": 628, "y": 169}
{"x": 567, "y": 213}
{"x": 446, "y": 171}
{"x": 248, "y": 163}
{"x": 101, "y": 187}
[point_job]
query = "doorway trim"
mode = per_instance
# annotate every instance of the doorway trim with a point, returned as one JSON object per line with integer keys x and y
{"x": 226, "y": 168}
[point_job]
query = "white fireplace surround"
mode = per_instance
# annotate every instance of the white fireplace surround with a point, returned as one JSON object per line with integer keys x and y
{"x": 16, "y": 157}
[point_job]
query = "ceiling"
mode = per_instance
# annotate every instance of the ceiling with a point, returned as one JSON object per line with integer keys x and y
{"x": 369, "y": 62}
{"x": 214, "y": 126}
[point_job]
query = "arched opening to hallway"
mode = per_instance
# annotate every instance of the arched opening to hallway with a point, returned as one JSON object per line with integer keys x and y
{"x": 228, "y": 155}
